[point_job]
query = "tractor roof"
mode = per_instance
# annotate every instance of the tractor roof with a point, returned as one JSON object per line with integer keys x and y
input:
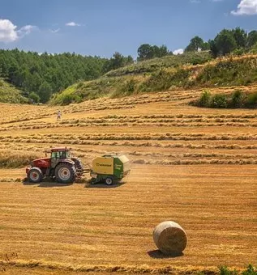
{"x": 57, "y": 149}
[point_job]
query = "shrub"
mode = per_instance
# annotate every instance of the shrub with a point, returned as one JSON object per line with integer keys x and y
{"x": 252, "y": 100}
{"x": 225, "y": 271}
{"x": 239, "y": 51}
{"x": 219, "y": 101}
{"x": 34, "y": 97}
{"x": 251, "y": 270}
{"x": 80, "y": 85}
{"x": 129, "y": 87}
{"x": 204, "y": 100}
{"x": 237, "y": 100}
{"x": 67, "y": 99}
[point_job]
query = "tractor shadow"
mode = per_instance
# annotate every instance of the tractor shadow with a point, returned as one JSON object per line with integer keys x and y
{"x": 45, "y": 184}
{"x": 53, "y": 184}
{"x": 157, "y": 254}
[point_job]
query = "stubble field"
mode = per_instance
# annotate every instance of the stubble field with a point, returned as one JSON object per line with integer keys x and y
{"x": 194, "y": 166}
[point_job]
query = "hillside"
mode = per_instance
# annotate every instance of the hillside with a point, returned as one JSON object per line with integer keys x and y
{"x": 168, "y": 73}
{"x": 9, "y": 94}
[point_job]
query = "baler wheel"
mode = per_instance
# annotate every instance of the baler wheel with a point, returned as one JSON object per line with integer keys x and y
{"x": 109, "y": 181}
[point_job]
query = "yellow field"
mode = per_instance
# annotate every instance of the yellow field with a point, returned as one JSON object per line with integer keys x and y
{"x": 194, "y": 166}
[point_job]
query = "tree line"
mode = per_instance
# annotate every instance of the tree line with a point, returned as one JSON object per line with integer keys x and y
{"x": 39, "y": 76}
{"x": 236, "y": 41}
{"x": 226, "y": 41}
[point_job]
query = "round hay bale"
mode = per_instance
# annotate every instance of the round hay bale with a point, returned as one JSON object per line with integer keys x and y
{"x": 170, "y": 238}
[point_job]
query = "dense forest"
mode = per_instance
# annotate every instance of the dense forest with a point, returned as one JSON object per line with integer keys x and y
{"x": 39, "y": 76}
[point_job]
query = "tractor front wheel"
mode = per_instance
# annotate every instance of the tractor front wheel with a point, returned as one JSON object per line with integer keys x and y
{"x": 35, "y": 175}
{"x": 65, "y": 173}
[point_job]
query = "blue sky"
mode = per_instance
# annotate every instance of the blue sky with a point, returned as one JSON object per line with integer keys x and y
{"x": 101, "y": 27}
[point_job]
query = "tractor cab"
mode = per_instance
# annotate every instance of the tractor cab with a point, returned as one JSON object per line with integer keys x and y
{"x": 58, "y": 154}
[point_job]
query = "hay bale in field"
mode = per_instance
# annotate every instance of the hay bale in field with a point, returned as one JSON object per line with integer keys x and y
{"x": 170, "y": 238}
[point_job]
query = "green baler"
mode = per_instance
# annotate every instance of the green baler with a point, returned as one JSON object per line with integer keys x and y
{"x": 109, "y": 168}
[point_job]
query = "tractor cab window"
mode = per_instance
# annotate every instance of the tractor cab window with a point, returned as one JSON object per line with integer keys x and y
{"x": 58, "y": 155}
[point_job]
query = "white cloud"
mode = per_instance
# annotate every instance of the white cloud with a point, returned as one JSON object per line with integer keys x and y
{"x": 195, "y": 1}
{"x": 8, "y": 31}
{"x": 246, "y": 7}
{"x": 72, "y": 24}
{"x": 26, "y": 30}
{"x": 55, "y": 31}
{"x": 178, "y": 51}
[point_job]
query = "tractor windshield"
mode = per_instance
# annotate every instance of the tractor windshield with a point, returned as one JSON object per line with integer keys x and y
{"x": 60, "y": 155}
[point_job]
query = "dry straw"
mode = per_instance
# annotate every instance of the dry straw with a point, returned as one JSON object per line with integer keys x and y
{"x": 170, "y": 238}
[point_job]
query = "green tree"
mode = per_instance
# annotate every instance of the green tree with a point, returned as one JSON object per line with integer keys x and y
{"x": 130, "y": 60}
{"x": 162, "y": 51}
{"x": 213, "y": 48}
{"x": 206, "y": 46}
{"x": 225, "y": 42}
{"x": 145, "y": 51}
{"x": 44, "y": 92}
{"x": 251, "y": 39}
{"x": 240, "y": 37}
{"x": 195, "y": 44}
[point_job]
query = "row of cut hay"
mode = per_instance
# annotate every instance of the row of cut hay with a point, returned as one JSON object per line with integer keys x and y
{"x": 151, "y": 120}
{"x": 182, "y": 116}
{"x": 79, "y": 139}
{"x": 81, "y": 125}
{"x": 144, "y": 269}
{"x": 11, "y": 159}
{"x": 196, "y": 162}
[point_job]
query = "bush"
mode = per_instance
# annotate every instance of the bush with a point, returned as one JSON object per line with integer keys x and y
{"x": 34, "y": 97}
{"x": 237, "y": 100}
{"x": 205, "y": 99}
{"x": 239, "y": 51}
{"x": 219, "y": 101}
{"x": 251, "y": 101}
{"x": 129, "y": 87}
{"x": 225, "y": 271}
{"x": 251, "y": 270}
{"x": 80, "y": 85}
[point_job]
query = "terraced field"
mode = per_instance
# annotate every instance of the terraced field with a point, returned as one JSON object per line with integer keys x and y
{"x": 193, "y": 166}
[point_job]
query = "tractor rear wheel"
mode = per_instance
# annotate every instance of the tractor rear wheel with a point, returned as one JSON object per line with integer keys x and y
{"x": 65, "y": 173}
{"x": 35, "y": 175}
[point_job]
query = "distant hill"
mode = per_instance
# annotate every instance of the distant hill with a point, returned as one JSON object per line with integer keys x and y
{"x": 45, "y": 74}
{"x": 194, "y": 70}
{"x": 9, "y": 94}
{"x": 169, "y": 61}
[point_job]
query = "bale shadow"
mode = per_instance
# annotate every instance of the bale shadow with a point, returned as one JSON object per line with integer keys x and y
{"x": 101, "y": 185}
{"x": 157, "y": 254}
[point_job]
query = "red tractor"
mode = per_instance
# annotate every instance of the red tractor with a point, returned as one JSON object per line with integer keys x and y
{"x": 59, "y": 166}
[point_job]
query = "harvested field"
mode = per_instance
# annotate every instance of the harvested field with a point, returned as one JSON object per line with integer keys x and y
{"x": 194, "y": 166}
